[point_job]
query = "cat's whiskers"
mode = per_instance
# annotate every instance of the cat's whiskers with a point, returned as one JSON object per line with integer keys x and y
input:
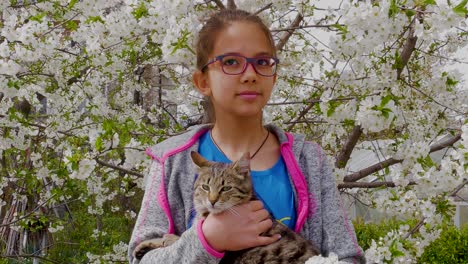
{"x": 233, "y": 211}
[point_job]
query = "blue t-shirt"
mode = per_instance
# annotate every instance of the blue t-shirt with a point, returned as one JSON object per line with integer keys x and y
{"x": 272, "y": 186}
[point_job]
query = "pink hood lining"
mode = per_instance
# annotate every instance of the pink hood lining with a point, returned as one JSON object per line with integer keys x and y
{"x": 162, "y": 195}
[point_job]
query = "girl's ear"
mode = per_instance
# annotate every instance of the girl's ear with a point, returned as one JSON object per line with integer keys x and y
{"x": 200, "y": 80}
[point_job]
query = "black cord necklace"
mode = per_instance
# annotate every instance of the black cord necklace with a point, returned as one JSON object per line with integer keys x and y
{"x": 255, "y": 153}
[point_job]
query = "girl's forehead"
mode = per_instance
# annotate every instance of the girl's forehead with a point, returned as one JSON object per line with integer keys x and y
{"x": 246, "y": 38}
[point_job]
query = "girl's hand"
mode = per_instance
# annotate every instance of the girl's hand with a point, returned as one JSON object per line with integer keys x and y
{"x": 228, "y": 231}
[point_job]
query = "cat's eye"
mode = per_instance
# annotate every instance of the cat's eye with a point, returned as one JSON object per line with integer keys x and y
{"x": 205, "y": 187}
{"x": 227, "y": 188}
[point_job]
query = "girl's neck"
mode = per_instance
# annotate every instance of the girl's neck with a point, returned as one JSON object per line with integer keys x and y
{"x": 235, "y": 137}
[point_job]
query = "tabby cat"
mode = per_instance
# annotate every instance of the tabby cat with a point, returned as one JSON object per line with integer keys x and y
{"x": 220, "y": 187}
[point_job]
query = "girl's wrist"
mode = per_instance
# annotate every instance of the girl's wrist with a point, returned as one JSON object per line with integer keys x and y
{"x": 208, "y": 239}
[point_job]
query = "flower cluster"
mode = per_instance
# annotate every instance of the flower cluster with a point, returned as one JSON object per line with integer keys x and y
{"x": 331, "y": 259}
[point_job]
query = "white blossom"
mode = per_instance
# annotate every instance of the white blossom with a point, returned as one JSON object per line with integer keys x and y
{"x": 85, "y": 168}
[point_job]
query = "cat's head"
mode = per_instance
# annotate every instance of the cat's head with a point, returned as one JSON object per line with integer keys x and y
{"x": 220, "y": 186}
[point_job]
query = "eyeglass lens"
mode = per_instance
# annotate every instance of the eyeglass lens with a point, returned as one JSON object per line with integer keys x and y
{"x": 233, "y": 64}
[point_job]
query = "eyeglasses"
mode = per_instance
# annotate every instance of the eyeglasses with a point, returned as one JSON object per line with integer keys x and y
{"x": 234, "y": 64}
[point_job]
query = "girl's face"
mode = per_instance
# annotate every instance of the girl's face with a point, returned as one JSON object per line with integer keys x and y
{"x": 245, "y": 94}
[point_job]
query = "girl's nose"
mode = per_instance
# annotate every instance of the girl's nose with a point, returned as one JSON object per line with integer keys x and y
{"x": 249, "y": 75}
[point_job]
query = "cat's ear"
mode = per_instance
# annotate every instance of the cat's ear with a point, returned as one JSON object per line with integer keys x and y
{"x": 243, "y": 164}
{"x": 199, "y": 160}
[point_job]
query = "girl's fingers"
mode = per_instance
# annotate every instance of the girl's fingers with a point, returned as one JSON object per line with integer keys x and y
{"x": 264, "y": 240}
{"x": 261, "y": 215}
{"x": 264, "y": 225}
{"x": 255, "y": 205}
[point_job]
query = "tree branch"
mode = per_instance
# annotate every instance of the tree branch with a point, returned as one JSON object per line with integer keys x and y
{"x": 219, "y": 4}
{"x": 432, "y": 99}
{"x": 459, "y": 187}
{"x": 313, "y": 101}
{"x": 421, "y": 222}
{"x": 103, "y": 163}
{"x": 68, "y": 52}
{"x": 306, "y": 26}
{"x": 388, "y": 162}
{"x": 282, "y": 42}
{"x": 30, "y": 213}
{"x": 263, "y": 9}
{"x": 349, "y": 185}
{"x": 58, "y": 25}
{"x": 407, "y": 49}
{"x": 344, "y": 155}
{"x": 231, "y": 5}
{"x": 22, "y": 74}
{"x": 301, "y": 115}
{"x": 415, "y": 228}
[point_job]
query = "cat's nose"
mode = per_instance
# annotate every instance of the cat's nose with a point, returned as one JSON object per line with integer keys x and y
{"x": 213, "y": 198}
{"x": 212, "y": 202}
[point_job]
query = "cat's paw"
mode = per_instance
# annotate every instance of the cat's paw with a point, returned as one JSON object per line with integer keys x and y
{"x": 141, "y": 250}
{"x": 147, "y": 245}
{"x": 169, "y": 239}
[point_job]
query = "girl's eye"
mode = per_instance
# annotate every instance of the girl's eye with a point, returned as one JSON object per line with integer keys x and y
{"x": 205, "y": 187}
{"x": 230, "y": 61}
{"x": 263, "y": 62}
{"x": 227, "y": 188}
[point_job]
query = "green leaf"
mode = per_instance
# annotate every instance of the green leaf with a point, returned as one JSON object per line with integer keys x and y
{"x": 460, "y": 9}
{"x": 430, "y": 2}
{"x": 98, "y": 144}
{"x": 182, "y": 42}
{"x": 393, "y": 10}
{"x": 383, "y": 110}
{"x": 450, "y": 82}
{"x": 385, "y": 100}
{"x": 393, "y": 249}
{"x": 332, "y": 107}
{"x": 94, "y": 19}
{"x": 410, "y": 13}
{"x": 72, "y": 4}
{"x": 386, "y": 112}
{"x": 398, "y": 62}
{"x": 38, "y": 17}
{"x": 13, "y": 84}
{"x": 140, "y": 11}
{"x": 426, "y": 162}
{"x": 71, "y": 25}
{"x": 342, "y": 28}
{"x": 349, "y": 122}
{"x": 108, "y": 126}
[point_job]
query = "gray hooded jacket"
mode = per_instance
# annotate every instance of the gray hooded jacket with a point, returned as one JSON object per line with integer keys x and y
{"x": 168, "y": 201}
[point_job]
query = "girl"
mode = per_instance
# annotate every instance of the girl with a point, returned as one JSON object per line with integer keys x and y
{"x": 236, "y": 61}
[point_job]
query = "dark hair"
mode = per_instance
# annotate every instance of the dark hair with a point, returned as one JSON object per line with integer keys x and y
{"x": 220, "y": 21}
{"x": 207, "y": 38}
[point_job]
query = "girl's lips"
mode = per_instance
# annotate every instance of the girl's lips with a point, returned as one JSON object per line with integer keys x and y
{"x": 249, "y": 95}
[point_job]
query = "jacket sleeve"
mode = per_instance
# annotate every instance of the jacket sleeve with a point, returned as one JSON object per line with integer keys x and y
{"x": 152, "y": 222}
{"x": 338, "y": 231}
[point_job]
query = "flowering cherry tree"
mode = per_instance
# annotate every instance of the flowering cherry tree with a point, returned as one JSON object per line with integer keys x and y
{"x": 87, "y": 85}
